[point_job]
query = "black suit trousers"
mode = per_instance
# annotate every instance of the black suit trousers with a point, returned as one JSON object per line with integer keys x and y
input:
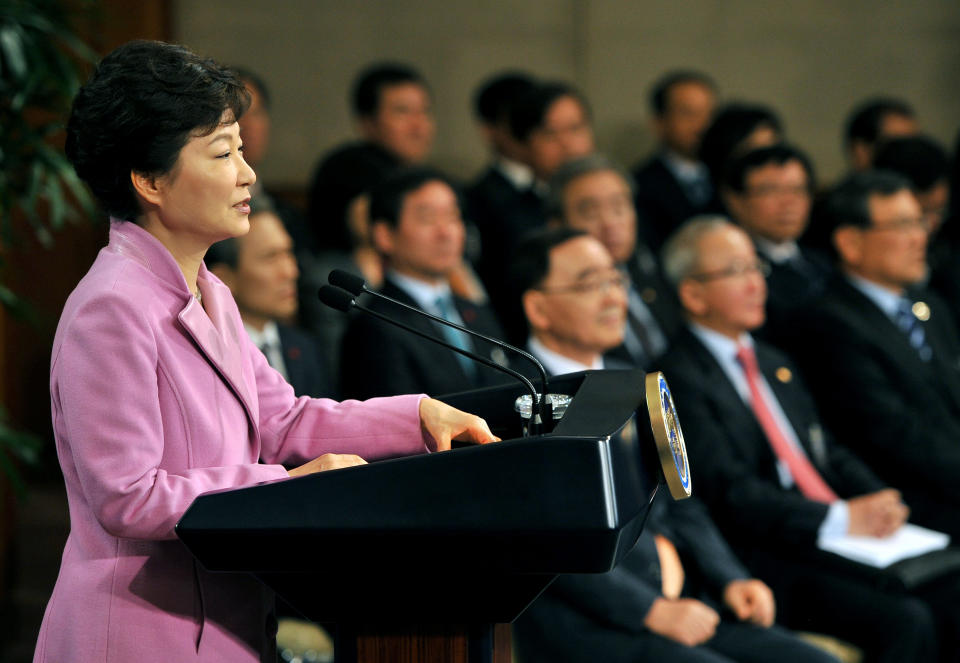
{"x": 583, "y": 642}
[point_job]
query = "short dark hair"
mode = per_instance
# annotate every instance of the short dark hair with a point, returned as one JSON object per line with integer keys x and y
{"x": 531, "y": 261}
{"x": 660, "y": 92}
{"x": 574, "y": 170}
{"x": 252, "y": 79}
{"x": 493, "y": 98}
{"x": 865, "y": 120}
{"x": 848, "y": 203}
{"x": 918, "y": 158}
{"x": 388, "y": 195}
{"x": 369, "y": 84}
{"x": 531, "y": 108}
{"x": 730, "y": 126}
{"x": 738, "y": 168}
{"x": 140, "y": 107}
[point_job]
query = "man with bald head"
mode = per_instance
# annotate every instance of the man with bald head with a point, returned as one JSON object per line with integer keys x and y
{"x": 776, "y": 482}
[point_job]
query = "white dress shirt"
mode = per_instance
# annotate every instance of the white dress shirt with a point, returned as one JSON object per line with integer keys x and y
{"x": 724, "y": 350}
{"x": 558, "y": 364}
{"x": 268, "y": 340}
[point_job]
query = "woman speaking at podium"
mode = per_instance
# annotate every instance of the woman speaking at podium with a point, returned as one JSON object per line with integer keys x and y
{"x": 157, "y": 393}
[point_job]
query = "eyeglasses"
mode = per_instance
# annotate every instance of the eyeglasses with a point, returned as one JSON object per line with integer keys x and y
{"x": 738, "y": 268}
{"x": 589, "y": 286}
{"x": 905, "y": 224}
{"x": 770, "y": 190}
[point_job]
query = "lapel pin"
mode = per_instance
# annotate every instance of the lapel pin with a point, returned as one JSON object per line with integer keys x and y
{"x": 921, "y": 311}
{"x": 784, "y": 374}
{"x": 648, "y": 295}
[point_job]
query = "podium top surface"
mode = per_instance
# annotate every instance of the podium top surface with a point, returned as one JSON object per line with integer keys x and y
{"x": 572, "y": 500}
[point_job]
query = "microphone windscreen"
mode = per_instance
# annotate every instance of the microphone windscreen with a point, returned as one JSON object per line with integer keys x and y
{"x": 349, "y": 282}
{"x": 336, "y": 298}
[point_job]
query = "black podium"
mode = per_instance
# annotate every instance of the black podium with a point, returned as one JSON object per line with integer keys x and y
{"x": 417, "y": 558}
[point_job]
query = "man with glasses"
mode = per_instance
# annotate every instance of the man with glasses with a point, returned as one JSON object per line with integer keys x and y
{"x": 594, "y": 195}
{"x": 768, "y": 192}
{"x": 881, "y": 354}
{"x": 772, "y": 476}
{"x": 681, "y": 594}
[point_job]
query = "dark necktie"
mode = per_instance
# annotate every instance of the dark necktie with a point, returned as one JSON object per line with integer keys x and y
{"x": 265, "y": 349}
{"x": 699, "y": 190}
{"x": 458, "y": 339}
{"x": 913, "y": 328}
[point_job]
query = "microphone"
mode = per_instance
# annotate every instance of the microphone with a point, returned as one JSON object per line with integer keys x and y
{"x": 356, "y": 286}
{"x": 343, "y": 300}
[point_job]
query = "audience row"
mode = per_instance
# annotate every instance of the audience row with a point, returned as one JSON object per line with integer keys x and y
{"x": 816, "y": 373}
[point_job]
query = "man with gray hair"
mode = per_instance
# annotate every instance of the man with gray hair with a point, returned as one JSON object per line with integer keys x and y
{"x": 680, "y": 594}
{"x": 595, "y": 195}
{"x": 775, "y": 481}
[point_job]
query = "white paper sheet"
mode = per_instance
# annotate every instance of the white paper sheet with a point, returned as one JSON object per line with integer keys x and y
{"x": 909, "y": 541}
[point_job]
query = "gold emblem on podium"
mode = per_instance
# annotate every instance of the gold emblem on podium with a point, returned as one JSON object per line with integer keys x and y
{"x": 668, "y": 436}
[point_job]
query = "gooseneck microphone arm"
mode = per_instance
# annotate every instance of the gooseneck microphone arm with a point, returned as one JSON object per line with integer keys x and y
{"x": 343, "y": 300}
{"x": 356, "y": 286}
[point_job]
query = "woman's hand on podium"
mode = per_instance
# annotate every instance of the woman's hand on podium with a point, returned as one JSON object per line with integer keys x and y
{"x": 327, "y": 462}
{"x": 445, "y": 423}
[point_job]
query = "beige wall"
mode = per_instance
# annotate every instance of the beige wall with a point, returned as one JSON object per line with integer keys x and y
{"x": 812, "y": 60}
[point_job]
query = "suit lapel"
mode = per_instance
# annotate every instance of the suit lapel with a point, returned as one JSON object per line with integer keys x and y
{"x": 877, "y": 326}
{"x": 739, "y": 415}
{"x": 440, "y": 359}
{"x": 216, "y": 335}
{"x": 781, "y": 380}
{"x": 673, "y": 192}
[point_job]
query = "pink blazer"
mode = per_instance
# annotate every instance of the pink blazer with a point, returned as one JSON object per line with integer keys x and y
{"x": 156, "y": 401}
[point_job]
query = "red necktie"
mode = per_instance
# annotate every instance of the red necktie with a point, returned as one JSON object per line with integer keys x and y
{"x": 804, "y": 474}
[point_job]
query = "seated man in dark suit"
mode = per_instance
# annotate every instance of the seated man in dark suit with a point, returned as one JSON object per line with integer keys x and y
{"x": 872, "y": 122}
{"x": 551, "y": 124}
{"x": 505, "y": 186}
{"x": 594, "y": 195}
{"x": 418, "y": 229}
{"x": 768, "y": 192}
{"x": 261, "y": 271}
{"x": 392, "y": 107}
{"x": 674, "y": 185}
{"x": 774, "y": 479}
{"x": 680, "y": 594}
{"x": 883, "y": 355}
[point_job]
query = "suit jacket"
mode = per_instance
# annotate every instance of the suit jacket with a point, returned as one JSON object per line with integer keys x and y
{"x": 503, "y": 215}
{"x": 616, "y": 602}
{"x": 662, "y": 203}
{"x": 733, "y": 467}
{"x": 900, "y": 414}
{"x": 660, "y": 299}
{"x": 155, "y": 401}
{"x": 792, "y": 285}
{"x": 379, "y": 359}
{"x": 307, "y": 371}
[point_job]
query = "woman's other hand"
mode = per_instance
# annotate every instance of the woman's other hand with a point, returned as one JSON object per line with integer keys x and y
{"x": 327, "y": 462}
{"x": 445, "y": 423}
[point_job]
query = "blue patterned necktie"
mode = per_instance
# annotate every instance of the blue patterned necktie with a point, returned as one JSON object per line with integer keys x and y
{"x": 454, "y": 337}
{"x": 913, "y": 328}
